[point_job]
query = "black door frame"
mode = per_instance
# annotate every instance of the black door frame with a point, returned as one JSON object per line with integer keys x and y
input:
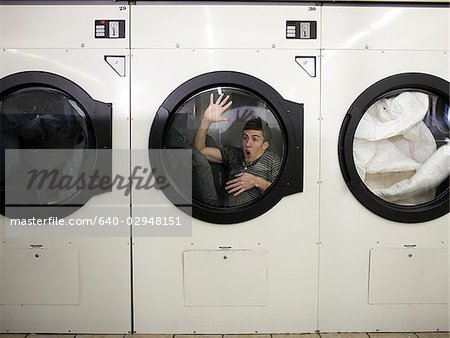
{"x": 394, "y": 212}
{"x": 100, "y": 118}
{"x": 290, "y": 116}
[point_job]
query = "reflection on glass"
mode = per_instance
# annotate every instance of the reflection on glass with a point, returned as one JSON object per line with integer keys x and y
{"x": 401, "y": 147}
{"x": 236, "y": 142}
{"x": 42, "y": 118}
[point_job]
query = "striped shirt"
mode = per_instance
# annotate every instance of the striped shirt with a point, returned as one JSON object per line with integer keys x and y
{"x": 267, "y": 167}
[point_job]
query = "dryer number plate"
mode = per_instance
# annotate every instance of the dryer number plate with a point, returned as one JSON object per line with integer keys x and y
{"x": 301, "y": 30}
{"x": 109, "y": 29}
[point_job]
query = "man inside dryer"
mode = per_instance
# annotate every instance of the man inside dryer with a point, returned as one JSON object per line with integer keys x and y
{"x": 251, "y": 169}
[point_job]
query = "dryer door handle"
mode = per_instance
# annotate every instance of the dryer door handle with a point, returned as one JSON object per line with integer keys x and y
{"x": 342, "y": 149}
{"x": 157, "y": 131}
{"x": 295, "y": 143}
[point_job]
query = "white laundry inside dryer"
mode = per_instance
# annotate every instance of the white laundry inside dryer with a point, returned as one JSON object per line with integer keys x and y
{"x": 395, "y": 152}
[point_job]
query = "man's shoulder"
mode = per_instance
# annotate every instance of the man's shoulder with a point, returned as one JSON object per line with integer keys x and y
{"x": 271, "y": 156}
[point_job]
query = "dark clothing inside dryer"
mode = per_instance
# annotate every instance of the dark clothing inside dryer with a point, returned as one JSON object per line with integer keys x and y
{"x": 44, "y": 131}
{"x": 207, "y": 178}
{"x": 7, "y": 141}
{"x": 42, "y": 119}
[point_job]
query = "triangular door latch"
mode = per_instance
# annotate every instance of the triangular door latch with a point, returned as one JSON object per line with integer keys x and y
{"x": 308, "y": 63}
{"x": 117, "y": 63}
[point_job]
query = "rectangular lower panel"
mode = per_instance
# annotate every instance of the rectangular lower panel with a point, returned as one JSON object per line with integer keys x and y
{"x": 225, "y": 277}
{"x": 408, "y": 276}
{"x": 40, "y": 276}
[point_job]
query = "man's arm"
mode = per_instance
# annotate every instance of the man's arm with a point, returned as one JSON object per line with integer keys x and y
{"x": 212, "y": 114}
{"x": 212, "y": 154}
{"x": 244, "y": 182}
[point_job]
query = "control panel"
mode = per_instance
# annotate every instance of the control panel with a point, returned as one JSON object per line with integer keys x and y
{"x": 109, "y": 29}
{"x": 301, "y": 30}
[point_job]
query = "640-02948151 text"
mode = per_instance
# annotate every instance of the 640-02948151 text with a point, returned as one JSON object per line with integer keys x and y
{"x": 99, "y": 220}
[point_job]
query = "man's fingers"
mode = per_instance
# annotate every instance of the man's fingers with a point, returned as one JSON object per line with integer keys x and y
{"x": 231, "y": 191}
{"x": 234, "y": 180}
{"x": 218, "y": 99}
{"x": 235, "y": 186}
{"x": 232, "y": 185}
{"x": 224, "y": 100}
{"x": 227, "y": 106}
{"x": 239, "y": 192}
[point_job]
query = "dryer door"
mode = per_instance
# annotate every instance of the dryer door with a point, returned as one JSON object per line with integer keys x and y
{"x": 244, "y": 156}
{"x": 51, "y": 130}
{"x": 394, "y": 148}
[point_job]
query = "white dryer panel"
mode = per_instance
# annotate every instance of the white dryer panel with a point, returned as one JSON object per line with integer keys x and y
{"x": 240, "y": 40}
{"x": 288, "y": 232}
{"x": 102, "y": 278}
{"x": 59, "y": 26}
{"x": 101, "y": 289}
{"x": 348, "y": 230}
{"x": 385, "y": 27}
{"x": 48, "y": 39}
{"x": 242, "y": 26}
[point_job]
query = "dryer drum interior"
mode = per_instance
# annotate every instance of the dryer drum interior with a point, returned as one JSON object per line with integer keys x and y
{"x": 51, "y": 130}
{"x": 258, "y": 133}
{"x": 394, "y": 148}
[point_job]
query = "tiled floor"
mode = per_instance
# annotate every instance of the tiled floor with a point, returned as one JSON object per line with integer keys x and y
{"x": 306, "y": 335}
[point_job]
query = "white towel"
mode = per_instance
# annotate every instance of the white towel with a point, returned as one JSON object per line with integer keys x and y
{"x": 430, "y": 174}
{"x": 393, "y": 143}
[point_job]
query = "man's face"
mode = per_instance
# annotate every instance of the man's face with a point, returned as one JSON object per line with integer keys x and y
{"x": 253, "y": 144}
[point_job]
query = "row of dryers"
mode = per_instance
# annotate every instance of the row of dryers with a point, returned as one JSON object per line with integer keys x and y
{"x": 351, "y": 233}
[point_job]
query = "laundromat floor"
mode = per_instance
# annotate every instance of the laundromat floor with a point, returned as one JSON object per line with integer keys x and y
{"x": 306, "y": 335}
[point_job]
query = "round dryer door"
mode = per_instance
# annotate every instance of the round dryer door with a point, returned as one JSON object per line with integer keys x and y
{"x": 394, "y": 148}
{"x": 244, "y": 146}
{"x": 51, "y": 130}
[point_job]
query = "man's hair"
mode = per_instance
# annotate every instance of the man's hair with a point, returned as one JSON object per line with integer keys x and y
{"x": 258, "y": 124}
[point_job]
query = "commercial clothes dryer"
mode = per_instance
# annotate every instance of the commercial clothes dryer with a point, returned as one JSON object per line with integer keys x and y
{"x": 64, "y": 87}
{"x": 243, "y": 268}
{"x": 384, "y": 169}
